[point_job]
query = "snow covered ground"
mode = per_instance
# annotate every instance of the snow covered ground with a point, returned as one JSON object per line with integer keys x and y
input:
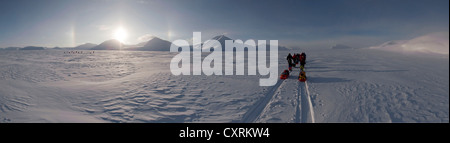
{"x": 348, "y": 85}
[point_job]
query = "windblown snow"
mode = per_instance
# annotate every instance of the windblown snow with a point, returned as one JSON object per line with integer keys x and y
{"x": 433, "y": 44}
{"x": 349, "y": 85}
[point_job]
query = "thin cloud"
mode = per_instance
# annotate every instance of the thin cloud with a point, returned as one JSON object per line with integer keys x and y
{"x": 104, "y": 27}
{"x": 142, "y": 1}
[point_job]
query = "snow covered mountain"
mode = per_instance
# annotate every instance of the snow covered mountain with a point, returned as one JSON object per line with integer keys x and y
{"x": 222, "y": 38}
{"x": 109, "y": 45}
{"x": 32, "y": 48}
{"x": 12, "y": 48}
{"x": 86, "y": 46}
{"x": 430, "y": 44}
{"x": 142, "y": 44}
{"x": 156, "y": 44}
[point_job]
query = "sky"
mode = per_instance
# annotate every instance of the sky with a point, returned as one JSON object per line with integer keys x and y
{"x": 295, "y": 23}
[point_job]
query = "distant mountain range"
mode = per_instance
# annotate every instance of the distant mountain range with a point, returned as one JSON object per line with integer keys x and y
{"x": 109, "y": 45}
{"x": 24, "y": 48}
{"x": 155, "y": 44}
{"x": 12, "y": 48}
{"x": 433, "y": 44}
{"x": 86, "y": 46}
{"x": 32, "y": 48}
{"x": 223, "y": 38}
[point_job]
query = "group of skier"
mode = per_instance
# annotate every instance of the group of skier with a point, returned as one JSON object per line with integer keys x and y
{"x": 78, "y": 52}
{"x": 294, "y": 60}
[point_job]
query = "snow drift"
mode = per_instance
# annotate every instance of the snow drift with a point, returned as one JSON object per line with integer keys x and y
{"x": 431, "y": 44}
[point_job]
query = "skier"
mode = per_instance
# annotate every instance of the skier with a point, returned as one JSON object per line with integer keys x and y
{"x": 295, "y": 57}
{"x": 289, "y": 59}
{"x": 302, "y": 60}
{"x": 303, "y": 55}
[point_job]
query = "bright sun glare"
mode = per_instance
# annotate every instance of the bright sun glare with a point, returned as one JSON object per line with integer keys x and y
{"x": 120, "y": 34}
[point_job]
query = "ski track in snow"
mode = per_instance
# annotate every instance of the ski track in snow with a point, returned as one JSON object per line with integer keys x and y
{"x": 260, "y": 106}
{"x": 304, "y": 111}
{"x": 291, "y": 101}
{"x": 310, "y": 112}
{"x": 299, "y": 111}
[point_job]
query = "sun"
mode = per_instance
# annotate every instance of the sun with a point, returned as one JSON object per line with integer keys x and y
{"x": 120, "y": 34}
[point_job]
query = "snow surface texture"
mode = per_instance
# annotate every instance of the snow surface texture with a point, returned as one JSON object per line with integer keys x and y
{"x": 347, "y": 85}
{"x": 431, "y": 44}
